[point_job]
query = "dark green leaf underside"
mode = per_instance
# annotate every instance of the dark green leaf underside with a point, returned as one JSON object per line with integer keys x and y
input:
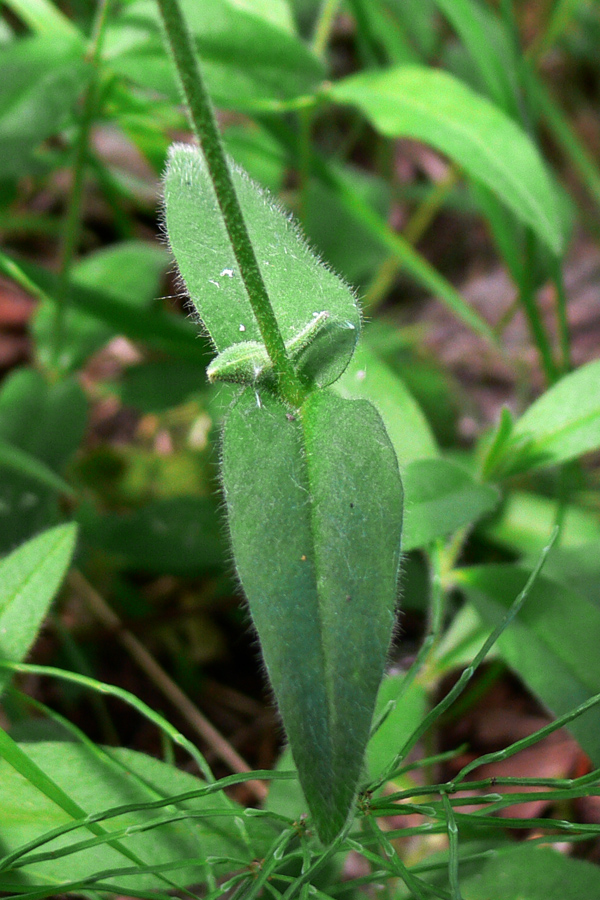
{"x": 315, "y": 512}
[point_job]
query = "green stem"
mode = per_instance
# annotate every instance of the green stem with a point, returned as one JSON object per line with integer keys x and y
{"x": 324, "y": 25}
{"x": 557, "y": 25}
{"x": 415, "y": 228}
{"x": 204, "y": 124}
{"x": 536, "y": 325}
{"x": 72, "y": 230}
{"x": 455, "y": 892}
{"x": 12, "y": 270}
{"x": 561, "y": 311}
{"x": 564, "y": 135}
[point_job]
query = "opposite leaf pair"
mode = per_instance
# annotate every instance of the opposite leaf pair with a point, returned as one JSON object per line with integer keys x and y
{"x": 314, "y": 496}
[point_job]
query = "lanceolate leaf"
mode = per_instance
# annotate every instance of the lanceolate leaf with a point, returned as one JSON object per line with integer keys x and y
{"x": 101, "y": 780}
{"x": 247, "y": 57}
{"x": 369, "y": 378}
{"x": 441, "y": 498}
{"x": 315, "y": 512}
{"x": 299, "y": 286}
{"x": 537, "y": 873}
{"x": 562, "y": 425}
{"x": 29, "y": 579}
{"x": 433, "y": 106}
{"x": 552, "y": 645}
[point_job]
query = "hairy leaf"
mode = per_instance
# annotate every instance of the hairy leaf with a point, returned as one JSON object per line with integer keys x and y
{"x": 315, "y": 512}
{"x": 299, "y": 286}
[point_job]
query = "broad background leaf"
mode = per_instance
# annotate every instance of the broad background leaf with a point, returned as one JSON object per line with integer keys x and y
{"x": 525, "y": 522}
{"x": 433, "y": 106}
{"x": 441, "y": 497}
{"x": 41, "y": 80}
{"x": 113, "y": 777}
{"x": 532, "y": 873}
{"x": 130, "y": 272}
{"x": 552, "y": 645}
{"x": 563, "y": 424}
{"x": 369, "y": 378}
{"x": 47, "y": 422}
{"x": 247, "y": 57}
{"x": 177, "y": 535}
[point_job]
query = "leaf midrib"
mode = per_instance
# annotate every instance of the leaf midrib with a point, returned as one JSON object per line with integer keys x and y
{"x": 317, "y": 562}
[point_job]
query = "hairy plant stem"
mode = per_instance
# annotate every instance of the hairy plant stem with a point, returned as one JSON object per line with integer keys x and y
{"x": 205, "y": 127}
{"x": 72, "y": 230}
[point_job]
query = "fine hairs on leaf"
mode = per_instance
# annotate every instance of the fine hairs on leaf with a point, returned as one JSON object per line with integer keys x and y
{"x": 311, "y": 481}
{"x": 349, "y": 481}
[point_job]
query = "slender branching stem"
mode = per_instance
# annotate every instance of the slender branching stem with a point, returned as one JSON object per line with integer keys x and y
{"x": 205, "y": 127}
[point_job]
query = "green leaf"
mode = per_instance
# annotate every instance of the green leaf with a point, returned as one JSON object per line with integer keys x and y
{"x": 563, "y": 424}
{"x": 159, "y": 385}
{"x": 368, "y": 378}
{"x": 29, "y": 579}
{"x": 130, "y": 272}
{"x": 111, "y": 778}
{"x": 178, "y": 535}
{"x": 346, "y": 243}
{"x": 380, "y": 35}
{"x": 578, "y": 568}
{"x": 19, "y": 461}
{"x": 258, "y": 153}
{"x": 41, "y": 80}
{"x": 532, "y": 873}
{"x": 565, "y": 135}
{"x": 47, "y": 423}
{"x": 491, "y": 49}
{"x": 405, "y": 708}
{"x": 45, "y": 18}
{"x": 525, "y": 523}
{"x": 552, "y": 644}
{"x": 441, "y": 497}
{"x": 315, "y": 513}
{"x": 160, "y": 330}
{"x": 370, "y": 221}
{"x": 247, "y": 59}
{"x": 299, "y": 286}
{"x": 432, "y": 106}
